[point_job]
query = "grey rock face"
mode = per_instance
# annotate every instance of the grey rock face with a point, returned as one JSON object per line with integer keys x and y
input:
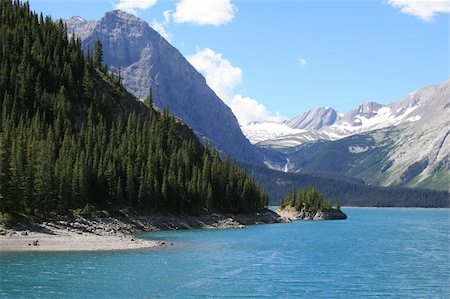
{"x": 80, "y": 27}
{"x": 146, "y": 59}
{"x": 314, "y": 119}
{"x": 411, "y": 143}
{"x": 366, "y": 110}
{"x": 330, "y": 214}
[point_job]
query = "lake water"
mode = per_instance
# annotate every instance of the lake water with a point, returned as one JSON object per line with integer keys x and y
{"x": 375, "y": 253}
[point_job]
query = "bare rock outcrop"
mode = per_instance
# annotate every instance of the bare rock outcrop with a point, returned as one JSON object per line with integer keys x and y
{"x": 327, "y": 214}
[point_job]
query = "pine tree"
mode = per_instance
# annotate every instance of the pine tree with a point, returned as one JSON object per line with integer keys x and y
{"x": 98, "y": 55}
{"x": 149, "y": 99}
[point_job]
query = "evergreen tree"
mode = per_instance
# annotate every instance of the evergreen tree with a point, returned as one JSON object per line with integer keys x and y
{"x": 98, "y": 55}
{"x": 308, "y": 199}
{"x": 149, "y": 99}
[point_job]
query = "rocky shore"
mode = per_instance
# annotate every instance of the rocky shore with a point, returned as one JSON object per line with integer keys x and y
{"x": 289, "y": 213}
{"x": 115, "y": 233}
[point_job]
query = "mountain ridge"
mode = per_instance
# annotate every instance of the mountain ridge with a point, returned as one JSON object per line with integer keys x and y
{"x": 314, "y": 119}
{"x": 145, "y": 60}
{"x": 404, "y": 143}
{"x": 364, "y": 118}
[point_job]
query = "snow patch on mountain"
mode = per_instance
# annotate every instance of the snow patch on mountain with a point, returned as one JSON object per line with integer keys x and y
{"x": 326, "y": 124}
{"x": 382, "y": 118}
{"x": 261, "y": 131}
{"x": 405, "y": 143}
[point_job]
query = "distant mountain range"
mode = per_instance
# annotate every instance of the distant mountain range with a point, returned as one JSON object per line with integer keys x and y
{"x": 325, "y": 123}
{"x": 146, "y": 59}
{"x": 404, "y": 143}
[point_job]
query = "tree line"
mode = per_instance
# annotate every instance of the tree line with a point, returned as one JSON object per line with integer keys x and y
{"x": 347, "y": 192}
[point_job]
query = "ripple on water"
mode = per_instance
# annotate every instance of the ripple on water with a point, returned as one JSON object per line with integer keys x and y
{"x": 375, "y": 253}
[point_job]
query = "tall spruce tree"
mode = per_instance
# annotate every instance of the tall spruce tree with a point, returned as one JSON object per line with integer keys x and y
{"x": 98, "y": 54}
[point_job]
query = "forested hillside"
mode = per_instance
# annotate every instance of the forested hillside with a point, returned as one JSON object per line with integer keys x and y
{"x": 71, "y": 135}
{"x": 346, "y": 192}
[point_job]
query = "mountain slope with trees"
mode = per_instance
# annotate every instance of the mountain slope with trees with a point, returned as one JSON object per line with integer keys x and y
{"x": 72, "y": 137}
{"x": 346, "y": 191}
{"x": 145, "y": 59}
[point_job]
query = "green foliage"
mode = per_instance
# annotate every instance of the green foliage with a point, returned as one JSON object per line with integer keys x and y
{"x": 102, "y": 214}
{"x": 72, "y": 138}
{"x": 149, "y": 99}
{"x": 348, "y": 192}
{"x": 440, "y": 180}
{"x": 308, "y": 199}
{"x": 98, "y": 55}
{"x": 7, "y": 219}
{"x": 88, "y": 211}
{"x": 413, "y": 170}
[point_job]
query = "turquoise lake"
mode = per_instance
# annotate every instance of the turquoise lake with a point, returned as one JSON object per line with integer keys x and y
{"x": 376, "y": 253}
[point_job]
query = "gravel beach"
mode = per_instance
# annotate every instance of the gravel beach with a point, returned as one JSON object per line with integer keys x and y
{"x": 115, "y": 233}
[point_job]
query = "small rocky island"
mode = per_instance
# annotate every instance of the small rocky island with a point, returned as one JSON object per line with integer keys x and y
{"x": 309, "y": 204}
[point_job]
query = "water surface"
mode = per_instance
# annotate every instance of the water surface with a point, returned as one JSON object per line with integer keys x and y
{"x": 375, "y": 253}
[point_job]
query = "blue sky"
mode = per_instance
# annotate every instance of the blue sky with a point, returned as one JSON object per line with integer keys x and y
{"x": 276, "y": 59}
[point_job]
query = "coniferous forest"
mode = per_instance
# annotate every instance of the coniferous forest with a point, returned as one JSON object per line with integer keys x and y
{"x": 308, "y": 199}
{"x": 71, "y": 136}
{"x": 346, "y": 191}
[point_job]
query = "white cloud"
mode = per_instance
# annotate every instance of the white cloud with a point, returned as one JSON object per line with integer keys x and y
{"x": 249, "y": 110}
{"x": 133, "y": 5}
{"x": 302, "y": 61}
{"x": 204, "y": 12}
{"x": 167, "y": 16}
{"x": 220, "y": 75}
{"x": 223, "y": 77}
{"x": 161, "y": 29}
{"x": 423, "y": 9}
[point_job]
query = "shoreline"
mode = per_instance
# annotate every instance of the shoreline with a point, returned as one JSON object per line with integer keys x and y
{"x": 110, "y": 234}
{"x": 290, "y": 213}
{"x": 412, "y": 208}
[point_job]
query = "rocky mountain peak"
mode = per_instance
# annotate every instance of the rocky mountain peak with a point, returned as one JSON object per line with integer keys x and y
{"x": 147, "y": 60}
{"x": 118, "y": 18}
{"x": 314, "y": 119}
{"x": 76, "y": 19}
{"x": 120, "y": 14}
{"x": 80, "y": 27}
{"x": 369, "y": 109}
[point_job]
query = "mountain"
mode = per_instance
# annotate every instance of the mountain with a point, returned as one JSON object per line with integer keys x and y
{"x": 146, "y": 59}
{"x": 366, "y": 117}
{"x": 314, "y": 119}
{"x": 372, "y": 116}
{"x": 258, "y": 132}
{"x": 326, "y": 124}
{"x": 74, "y": 142}
{"x": 300, "y": 129}
{"x": 405, "y": 143}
